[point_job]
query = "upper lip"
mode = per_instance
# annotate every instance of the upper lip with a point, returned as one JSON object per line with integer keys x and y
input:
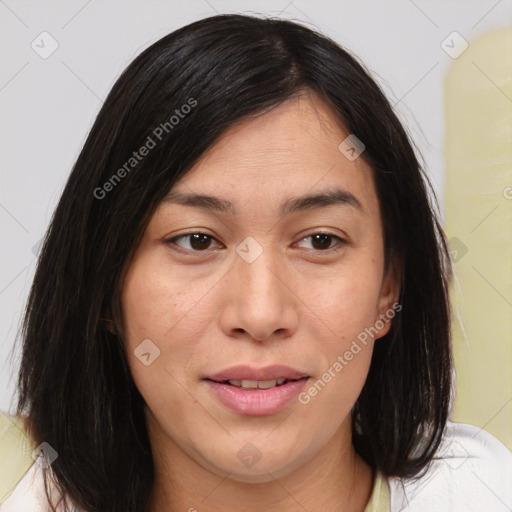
{"x": 246, "y": 372}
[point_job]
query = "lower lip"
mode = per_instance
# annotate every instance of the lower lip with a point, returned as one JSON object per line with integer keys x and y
{"x": 257, "y": 402}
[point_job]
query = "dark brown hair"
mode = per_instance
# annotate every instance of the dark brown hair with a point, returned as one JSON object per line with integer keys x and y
{"x": 75, "y": 384}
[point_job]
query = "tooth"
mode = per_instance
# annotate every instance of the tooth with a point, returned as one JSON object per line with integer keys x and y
{"x": 266, "y": 384}
{"x": 256, "y": 384}
{"x": 253, "y": 384}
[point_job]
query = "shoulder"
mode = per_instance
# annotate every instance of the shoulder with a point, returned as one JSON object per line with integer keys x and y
{"x": 472, "y": 472}
{"x": 28, "y": 494}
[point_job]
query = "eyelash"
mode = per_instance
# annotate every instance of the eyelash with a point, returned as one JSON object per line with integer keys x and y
{"x": 341, "y": 241}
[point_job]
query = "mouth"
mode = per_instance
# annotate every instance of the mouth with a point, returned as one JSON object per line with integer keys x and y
{"x": 247, "y": 376}
{"x": 249, "y": 391}
{"x": 256, "y": 384}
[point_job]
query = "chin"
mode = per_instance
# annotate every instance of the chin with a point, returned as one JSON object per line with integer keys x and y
{"x": 258, "y": 476}
{"x": 258, "y": 471}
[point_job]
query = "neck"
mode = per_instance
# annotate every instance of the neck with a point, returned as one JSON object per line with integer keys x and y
{"x": 335, "y": 479}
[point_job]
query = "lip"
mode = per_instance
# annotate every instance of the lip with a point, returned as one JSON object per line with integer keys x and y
{"x": 256, "y": 402}
{"x": 246, "y": 372}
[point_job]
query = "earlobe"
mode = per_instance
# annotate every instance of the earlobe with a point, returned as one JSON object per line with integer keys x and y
{"x": 384, "y": 320}
{"x": 111, "y": 326}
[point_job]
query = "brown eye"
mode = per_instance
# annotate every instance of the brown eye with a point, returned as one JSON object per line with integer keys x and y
{"x": 197, "y": 241}
{"x": 323, "y": 241}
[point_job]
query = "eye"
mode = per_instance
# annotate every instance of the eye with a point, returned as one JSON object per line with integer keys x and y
{"x": 200, "y": 242}
{"x": 197, "y": 242}
{"x": 322, "y": 241}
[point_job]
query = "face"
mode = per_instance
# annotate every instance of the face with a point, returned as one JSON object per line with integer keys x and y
{"x": 250, "y": 284}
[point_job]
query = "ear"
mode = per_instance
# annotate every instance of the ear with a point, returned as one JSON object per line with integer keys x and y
{"x": 111, "y": 326}
{"x": 109, "y": 323}
{"x": 110, "y": 320}
{"x": 388, "y": 304}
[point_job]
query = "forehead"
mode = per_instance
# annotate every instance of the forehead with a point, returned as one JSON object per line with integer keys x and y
{"x": 287, "y": 151}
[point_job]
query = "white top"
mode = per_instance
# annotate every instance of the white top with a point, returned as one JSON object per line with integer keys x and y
{"x": 473, "y": 473}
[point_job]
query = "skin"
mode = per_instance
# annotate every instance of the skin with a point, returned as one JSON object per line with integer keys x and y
{"x": 299, "y": 303}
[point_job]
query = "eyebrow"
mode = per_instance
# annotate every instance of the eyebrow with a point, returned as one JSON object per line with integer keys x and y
{"x": 294, "y": 204}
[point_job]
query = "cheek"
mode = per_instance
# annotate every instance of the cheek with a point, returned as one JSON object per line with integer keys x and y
{"x": 158, "y": 309}
{"x": 348, "y": 303}
{"x": 346, "y": 357}
{"x": 349, "y": 309}
{"x": 157, "y": 304}
{"x": 158, "y": 315}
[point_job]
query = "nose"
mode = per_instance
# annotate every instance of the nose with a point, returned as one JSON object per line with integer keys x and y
{"x": 260, "y": 303}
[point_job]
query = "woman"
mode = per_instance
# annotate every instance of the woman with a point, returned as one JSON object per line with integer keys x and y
{"x": 242, "y": 296}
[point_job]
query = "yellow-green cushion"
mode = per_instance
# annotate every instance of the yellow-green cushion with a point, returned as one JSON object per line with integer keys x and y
{"x": 380, "y": 499}
{"x": 15, "y": 453}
